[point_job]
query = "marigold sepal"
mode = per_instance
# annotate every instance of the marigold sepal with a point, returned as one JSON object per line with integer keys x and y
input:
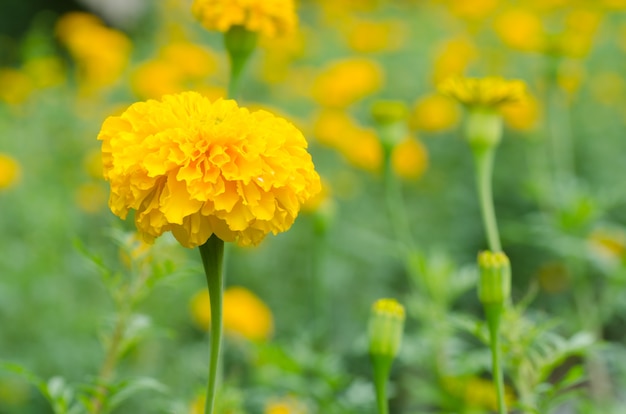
{"x": 385, "y": 330}
{"x": 483, "y": 128}
{"x": 495, "y": 278}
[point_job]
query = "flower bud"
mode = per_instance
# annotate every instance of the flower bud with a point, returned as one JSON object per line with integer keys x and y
{"x": 495, "y": 278}
{"x": 385, "y": 328}
{"x": 391, "y": 122}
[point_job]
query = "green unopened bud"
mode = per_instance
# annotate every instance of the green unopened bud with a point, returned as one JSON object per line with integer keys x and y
{"x": 495, "y": 278}
{"x": 385, "y": 327}
{"x": 483, "y": 128}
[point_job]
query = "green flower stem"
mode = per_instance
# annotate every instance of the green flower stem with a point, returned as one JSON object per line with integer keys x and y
{"x": 493, "y": 314}
{"x": 212, "y": 253}
{"x": 395, "y": 204}
{"x": 483, "y": 158}
{"x": 382, "y": 368}
{"x": 239, "y": 43}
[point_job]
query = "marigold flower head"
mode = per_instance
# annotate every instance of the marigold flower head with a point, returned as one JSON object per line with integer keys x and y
{"x": 269, "y": 18}
{"x": 490, "y": 92}
{"x": 243, "y": 312}
{"x": 196, "y": 168}
{"x": 409, "y": 159}
{"x": 434, "y": 113}
{"x": 285, "y": 405}
{"x": 520, "y": 29}
{"x": 346, "y": 81}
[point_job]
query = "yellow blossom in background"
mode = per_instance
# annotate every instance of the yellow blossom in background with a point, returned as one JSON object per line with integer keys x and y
{"x": 92, "y": 163}
{"x": 520, "y": 29}
{"x": 347, "y": 81}
{"x": 608, "y": 244}
{"x": 269, "y": 18}
{"x": 471, "y": 9}
{"x": 452, "y": 58}
{"x": 608, "y": 88}
{"x": 476, "y": 392}
{"x": 434, "y": 113}
{"x": 553, "y": 277}
{"x": 570, "y": 76}
{"x": 178, "y": 67}
{"x": 15, "y": 86}
{"x": 490, "y": 92}
{"x": 278, "y": 55}
{"x": 409, "y": 159}
{"x": 10, "y": 171}
{"x": 196, "y": 168}
{"x": 101, "y": 53}
{"x": 524, "y": 115}
{"x": 285, "y": 405}
{"x": 244, "y": 314}
{"x": 91, "y": 197}
{"x": 45, "y": 71}
{"x": 373, "y": 36}
{"x": 359, "y": 146}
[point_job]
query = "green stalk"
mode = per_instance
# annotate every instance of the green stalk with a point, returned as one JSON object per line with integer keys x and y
{"x": 382, "y": 368}
{"x": 493, "y": 314}
{"x": 239, "y": 43}
{"x": 483, "y": 158}
{"x": 395, "y": 205}
{"x": 212, "y": 253}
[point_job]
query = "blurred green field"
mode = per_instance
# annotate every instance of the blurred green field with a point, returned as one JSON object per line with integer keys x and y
{"x": 71, "y": 272}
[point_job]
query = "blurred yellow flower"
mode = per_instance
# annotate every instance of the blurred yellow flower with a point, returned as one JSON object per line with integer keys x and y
{"x": 15, "y": 86}
{"x": 359, "y": 146}
{"x": 453, "y": 57}
{"x": 476, "y": 392}
{"x": 92, "y": 162}
{"x": 101, "y": 53}
{"x": 279, "y": 54}
{"x": 244, "y": 314}
{"x": 524, "y": 115}
{"x": 471, "y": 9}
{"x": 346, "y": 81}
{"x": 608, "y": 88}
{"x": 197, "y": 168}
{"x": 570, "y": 75}
{"x": 10, "y": 171}
{"x": 489, "y": 92}
{"x": 608, "y": 244}
{"x": 409, "y": 159}
{"x": 520, "y": 29}
{"x": 45, "y": 71}
{"x": 91, "y": 197}
{"x": 285, "y": 405}
{"x": 434, "y": 113}
{"x": 178, "y": 67}
{"x": 269, "y": 18}
{"x": 373, "y": 36}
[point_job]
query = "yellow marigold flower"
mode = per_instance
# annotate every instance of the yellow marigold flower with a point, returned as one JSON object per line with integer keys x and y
{"x": 10, "y": 171}
{"x": 344, "y": 82}
{"x": 523, "y": 116}
{"x": 520, "y": 29}
{"x": 286, "y": 405}
{"x": 243, "y": 312}
{"x": 434, "y": 113}
{"x": 92, "y": 162}
{"x": 15, "y": 86}
{"x": 178, "y": 67}
{"x": 476, "y": 392}
{"x": 372, "y": 36}
{"x": 409, "y": 159}
{"x": 472, "y": 9}
{"x": 101, "y": 53}
{"x": 269, "y": 18}
{"x": 490, "y": 92}
{"x": 453, "y": 57}
{"x": 359, "y": 146}
{"x": 196, "y": 168}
